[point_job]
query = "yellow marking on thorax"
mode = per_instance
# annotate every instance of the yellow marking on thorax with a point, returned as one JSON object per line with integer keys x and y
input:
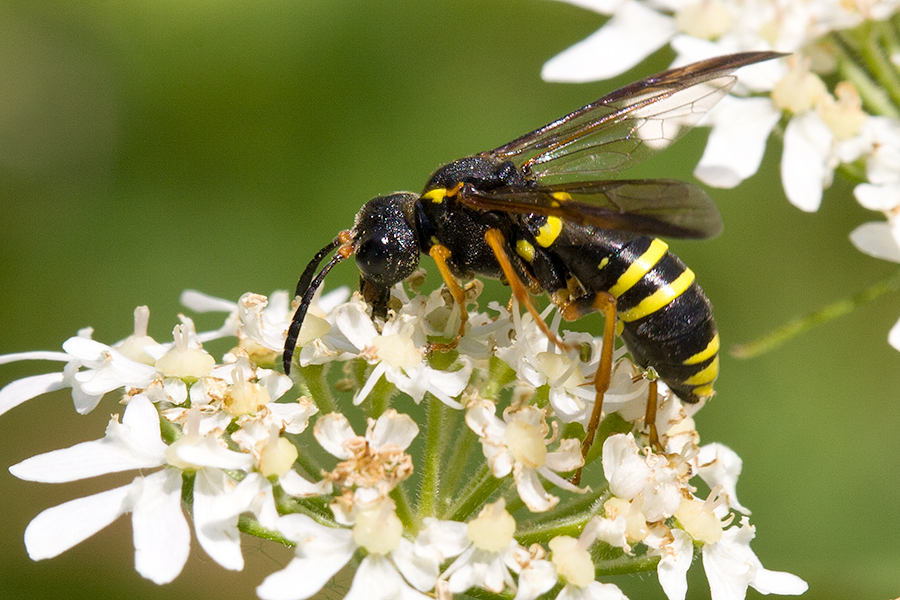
{"x": 660, "y": 298}
{"x": 525, "y": 250}
{"x": 436, "y": 195}
{"x": 549, "y": 231}
{"x": 603, "y": 263}
{"x": 706, "y": 375}
{"x": 640, "y": 267}
{"x": 711, "y": 349}
{"x": 562, "y": 196}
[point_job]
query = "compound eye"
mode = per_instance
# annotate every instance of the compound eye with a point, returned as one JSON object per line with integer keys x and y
{"x": 374, "y": 257}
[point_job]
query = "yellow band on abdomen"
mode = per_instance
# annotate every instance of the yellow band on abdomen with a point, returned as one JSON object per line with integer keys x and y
{"x": 660, "y": 298}
{"x": 640, "y": 267}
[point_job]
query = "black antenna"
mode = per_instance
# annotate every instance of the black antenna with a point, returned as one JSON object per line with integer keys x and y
{"x": 309, "y": 290}
{"x": 307, "y": 276}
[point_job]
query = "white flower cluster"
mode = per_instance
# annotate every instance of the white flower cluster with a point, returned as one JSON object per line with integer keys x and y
{"x": 223, "y": 428}
{"x": 854, "y": 126}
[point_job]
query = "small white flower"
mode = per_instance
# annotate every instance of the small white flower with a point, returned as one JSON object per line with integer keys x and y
{"x": 397, "y": 353}
{"x": 485, "y": 563}
{"x": 161, "y": 536}
{"x": 731, "y": 566}
{"x": 518, "y": 445}
{"x": 649, "y": 477}
{"x": 377, "y": 461}
{"x": 394, "y": 567}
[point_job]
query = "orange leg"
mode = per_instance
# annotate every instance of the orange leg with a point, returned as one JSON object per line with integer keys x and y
{"x": 605, "y": 303}
{"x": 441, "y": 254}
{"x": 650, "y": 415}
{"x": 496, "y": 241}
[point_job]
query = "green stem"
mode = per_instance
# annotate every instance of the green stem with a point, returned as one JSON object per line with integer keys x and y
{"x": 455, "y": 467}
{"x": 795, "y": 327}
{"x": 310, "y": 465}
{"x": 319, "y": 391}
{"x": 500, "y": 375}
{"x": 571, "y": 524}
{"x": 874, "y": 96}
{"x": 877, "y": 60}
{"x": 404, "y": 507}
{"x": 435, "y": 444}
{"x": 251, "y": 526}
{"x": 480, "y": 488}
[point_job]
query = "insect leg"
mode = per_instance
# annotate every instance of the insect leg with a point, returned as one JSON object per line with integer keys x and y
{"x": 441, "y": 254}
{"x": 650, "y": 415}
{"x": 605, "y": 303}
{"x": 496, "y": 241}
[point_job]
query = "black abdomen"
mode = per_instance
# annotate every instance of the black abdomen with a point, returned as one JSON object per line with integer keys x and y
{"x": 667, "y": 320}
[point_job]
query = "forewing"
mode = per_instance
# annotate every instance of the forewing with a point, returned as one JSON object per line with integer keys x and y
{"x": 666, "y": 207}
{"x": 627, "y": 125}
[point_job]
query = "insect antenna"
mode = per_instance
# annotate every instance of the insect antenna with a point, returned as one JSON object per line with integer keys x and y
{"x": 307, "y": 288}
{"x": 306, "y": 278}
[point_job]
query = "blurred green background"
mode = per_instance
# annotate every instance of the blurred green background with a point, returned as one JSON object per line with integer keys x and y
{"x": 151, "y": 146}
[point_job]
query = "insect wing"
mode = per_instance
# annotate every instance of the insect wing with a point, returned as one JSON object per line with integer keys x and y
{"x": 666, "y": 207}
{"x": 627, "y": 125}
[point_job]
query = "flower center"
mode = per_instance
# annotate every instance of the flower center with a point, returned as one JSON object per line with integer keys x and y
{"x": 378, "y": 531}
{"x": 572, "y": 562}
{"x": 492, "y": 530}
{"x": 526, "y": 443}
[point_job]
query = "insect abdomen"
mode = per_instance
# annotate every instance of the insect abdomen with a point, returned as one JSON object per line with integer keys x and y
{"x": 667, "y": 319}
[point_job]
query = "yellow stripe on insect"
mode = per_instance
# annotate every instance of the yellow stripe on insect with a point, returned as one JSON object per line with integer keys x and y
{"x": 640, "y": 267}
{"x": 562, "y": 196}
{"x": 711, "y": 350}
{"x": 704, "y": 391}
{"x": 660, "y": 298}
{"x": 706, "y": 375}
{"x": 436, "y": 195}
{"x": 603, "y": 262}
{"x": 549, "y": 231}
{"x": 525, "y": 250}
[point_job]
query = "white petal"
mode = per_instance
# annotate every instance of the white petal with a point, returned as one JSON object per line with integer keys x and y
{"x": 604, "y": 7}
{"x": 804, "y": 169}
{"x": 321, "y": 552}
{"x": 59, "y": 528}
{"x": 875, "y": 239}
{"x": 354, "y": 322}
{"x": 532, "y": 492}
{"x": 883, "y": 197}
{"x": 377, "y": 579}
{"x": 448, "y": 537}
{"x": 567, "y": 458}
{"x": 624, "y": 469}
{"x": 673, "y": 566}
{"x": 296, "y": 485}
{"x": 539, "y": 577}
{"x": 894, "y": 336}
{"x": 631, "y": 35}
{"x": 737, "y": 142}
{"x": 778, "y": 582}
{"x": 34, "y": 355}
{"x": 720, "y": 465}
{"x": 418, "y": 563}
{"x": 17, "y": 392}
{"x": 162, "y": 539}
{"x": 393, "y": 428}
{"x": 215, "y": 520}
{"x": 200, "y": 302}
{"x": 331, "y": 431}
{"x": 207, "y": 452}
{"x": 112, "y": 454}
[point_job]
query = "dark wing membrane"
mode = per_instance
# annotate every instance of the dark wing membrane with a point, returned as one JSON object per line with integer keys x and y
{"x": 666, "y": 207}
{"x": 627, "y": 125}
